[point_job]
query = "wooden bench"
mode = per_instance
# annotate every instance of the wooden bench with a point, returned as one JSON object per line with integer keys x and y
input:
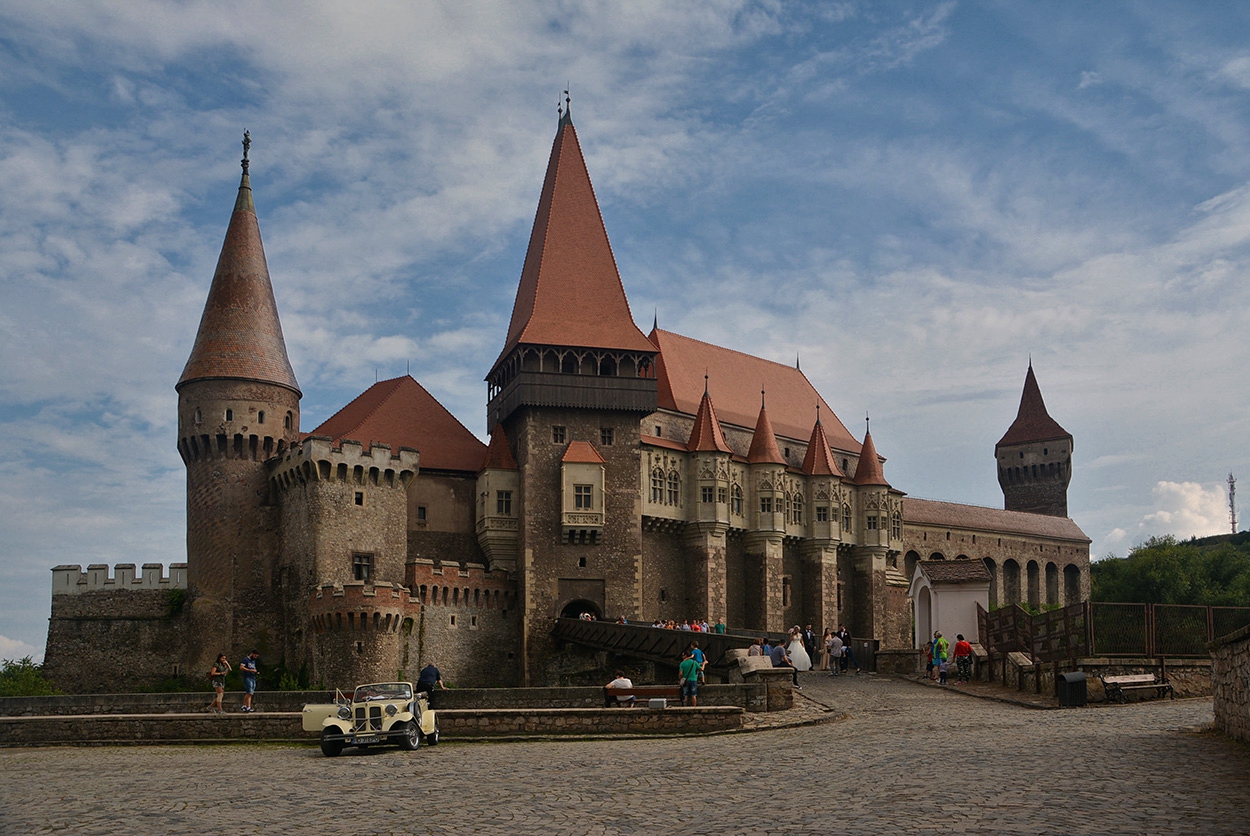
{"x": 638, "y": 692}
{"x": 1115, "y": 686}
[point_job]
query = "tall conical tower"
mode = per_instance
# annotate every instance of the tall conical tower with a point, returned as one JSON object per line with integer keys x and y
{"x": 238, "y": 405}
{"x": 575, "y": 373}
{"x": 1035, "y": 457}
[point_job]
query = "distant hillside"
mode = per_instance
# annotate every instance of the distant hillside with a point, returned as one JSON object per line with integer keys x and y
{"x": 1213, "y": 570}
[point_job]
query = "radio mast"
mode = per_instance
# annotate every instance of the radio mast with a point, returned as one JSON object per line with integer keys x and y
{"x": 1232, "y": 502}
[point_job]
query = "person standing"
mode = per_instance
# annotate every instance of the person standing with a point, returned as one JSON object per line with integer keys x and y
{"x": 938, "y": 651}
{"x": 824, "y": 649}
{"x": 719, "y": 627}
{"x": 848, "y": 654}
{"x": 835, "y": 654}
{"x": 248, "y": 668}
{"x": 963, "y": 658}
{"x": 217, "y": 676}
{"x": 688, "y": 677}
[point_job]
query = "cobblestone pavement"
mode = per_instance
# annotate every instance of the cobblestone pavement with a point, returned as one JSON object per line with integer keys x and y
{"x": 907, "y": 759}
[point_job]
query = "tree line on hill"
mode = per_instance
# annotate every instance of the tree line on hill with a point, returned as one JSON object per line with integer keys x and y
{"x": 1214, "y": 571}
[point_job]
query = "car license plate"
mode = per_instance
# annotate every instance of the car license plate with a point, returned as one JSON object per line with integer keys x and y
{"x": 367, "y": 738}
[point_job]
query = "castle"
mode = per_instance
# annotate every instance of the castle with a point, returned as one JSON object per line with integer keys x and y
{"x": 628, "y": 474}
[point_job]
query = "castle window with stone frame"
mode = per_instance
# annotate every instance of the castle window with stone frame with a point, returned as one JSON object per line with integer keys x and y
{"x": 766, "y": 504}
{"x": 605, "y": 436}
{"x": 260, "y": 417}
{"x": 229, "y": 414}
{"x": 822, "y": 513}
{"x": 583, "y": 497}
{"x": 896, "y": 526}
{"x": 796, "y": 508}
{"x": 846, "y": 518}
{"x": 503, "y": 503}
{"x": 737, "y": 500}
{"x": 674, "y": 488}
{"x": 657, "y": 486}
{"x": 722, "y": 495}
{"x": 558, "y": 434}
{"x": 705, "y": 495}
{"x": 286, "y": 422}
{"x": 199, "y": 417}
{"x": 362, "y": 566}
{"x": 872, "y": 522}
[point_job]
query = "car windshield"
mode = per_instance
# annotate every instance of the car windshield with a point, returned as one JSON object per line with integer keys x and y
{"x": 383, "y": 691}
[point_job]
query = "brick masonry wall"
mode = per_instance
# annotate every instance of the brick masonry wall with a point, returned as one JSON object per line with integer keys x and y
{"x": 1230, "y": 684}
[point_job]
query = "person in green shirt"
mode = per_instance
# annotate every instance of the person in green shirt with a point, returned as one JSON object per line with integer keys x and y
{"x": 688, "y": 676}
{"x": 720, "y": 626}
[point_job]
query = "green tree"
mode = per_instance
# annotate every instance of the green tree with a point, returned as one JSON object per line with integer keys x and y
{"x": 23, "y": 678}
{"x": 1215, "y": 571}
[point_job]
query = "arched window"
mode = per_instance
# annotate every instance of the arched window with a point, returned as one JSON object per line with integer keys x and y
{"x": 229, "y": 414}
{"x": 260, "y": 417}
{"x": 737, "y": 499}
{"x": 796, "y": 505}
{"x": 657, "y": 486}
{"x": 896, "y": 526}
{"x": 674, "y": 488}
{"x": 846, "y": 518}
{"x": 286, "y": 422}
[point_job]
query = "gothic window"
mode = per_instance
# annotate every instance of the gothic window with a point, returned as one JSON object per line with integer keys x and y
{"x": 896, "y": 526}
{"x": 766, "y": 504}
{"x": 674, "y": 488}
{"x": 705, "y": 495}
{"x": 503, "y": 503}
{"x": 362, "y": 566}
{"x": 797, "y": 508}
{"x": 583, "y": 497}
{"x": 737, "y": 500}
{"x": 846, "y": 518}
{"x": 657, "y": 486}
{"x": 872, "y": 522}
{"x": 722, "y": 495}
{"x": 605, "y": 436}
{"x": 557, "y": 435}
{"x": 822, "y": 513}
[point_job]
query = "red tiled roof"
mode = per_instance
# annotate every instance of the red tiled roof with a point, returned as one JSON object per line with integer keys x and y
{"x": 656, "y": 441}
{"x": 498, "y": 454}
{"x": 706, "y": 433}
{"x": 868, "y": 471}
{"x": 1033, "y": 422}
{"x": 240, "y": 336}
{"x": 582, "y": 452}
{"x": 738, "y": 379}
{"x": 764, "y": 442}
{"x": 570, "y": 291}
{"x": 976, "y": 517}
{"x": 399, "y": 412}
{"x": 819, "y": 461}
{"x": 955, "y": 571}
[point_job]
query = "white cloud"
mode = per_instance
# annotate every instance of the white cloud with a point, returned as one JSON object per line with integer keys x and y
{"x": 1089, "y": 79}
{"x": 1185, "y": 509}
{"x": 14, "y": 649}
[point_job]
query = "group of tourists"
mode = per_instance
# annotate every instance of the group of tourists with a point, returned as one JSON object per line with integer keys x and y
{"x": 693, "y": 625}
{"x": 940, "y": 652}
{"x": 217, "y": 678}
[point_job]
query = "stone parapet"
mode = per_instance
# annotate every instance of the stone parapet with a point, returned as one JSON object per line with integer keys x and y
{"x": 1230, "y": 683}
{"x": 70, "y": 579}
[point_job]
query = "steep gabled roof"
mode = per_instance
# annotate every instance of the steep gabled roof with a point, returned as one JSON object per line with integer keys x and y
{"x": 868, "y": 471}
{"x": 819, "y": 461}
{"x": 570, "y": 291}
{"x": 738, "y": 378}
{"x": 1033, "y": 422}
{"x": 764, "y": 448}
{"x": 706, "y": 435}
{"x": 582, "y": 452}
{"x": 498, "y": 453}
{"x": 399, "y": 412}
{"x": 980, "y": 518}
{"x": 240, "y": 336}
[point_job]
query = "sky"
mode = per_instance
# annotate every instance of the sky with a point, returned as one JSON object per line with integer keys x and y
{"x": 912, "y": 199}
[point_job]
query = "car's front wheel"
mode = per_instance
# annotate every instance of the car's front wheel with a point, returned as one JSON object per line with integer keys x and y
{"x": 330, "y": 748}
{"x": 411, "y": 738}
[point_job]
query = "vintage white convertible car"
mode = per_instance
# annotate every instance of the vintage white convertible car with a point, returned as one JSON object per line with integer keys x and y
{"x": 382, "y": 712}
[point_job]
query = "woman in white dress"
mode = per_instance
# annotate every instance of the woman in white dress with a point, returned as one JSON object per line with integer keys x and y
{"x": 798, "y": 653}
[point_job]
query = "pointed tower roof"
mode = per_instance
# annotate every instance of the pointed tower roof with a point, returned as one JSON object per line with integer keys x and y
{"x": 1033, "y": 422}
{"x": 819, "y": 461}
{"x": 498, "y": 454}
{"x": 570, "y": 291}
{"x": 764, "y": 448}
{"x": 400, "y": 413}
{"x": 868, "y": 471}
{"x": 706, "y": 435}
{"x": 240, "y": 336}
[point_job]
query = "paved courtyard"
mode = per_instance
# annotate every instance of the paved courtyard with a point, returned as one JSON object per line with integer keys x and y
{"x": 909, "y": 759}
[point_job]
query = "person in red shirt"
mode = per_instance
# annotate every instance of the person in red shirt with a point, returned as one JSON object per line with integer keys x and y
{"x": 963, "y": 658}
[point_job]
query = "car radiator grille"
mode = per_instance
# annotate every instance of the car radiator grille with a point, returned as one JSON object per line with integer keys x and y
{"x": 373, "y": 722}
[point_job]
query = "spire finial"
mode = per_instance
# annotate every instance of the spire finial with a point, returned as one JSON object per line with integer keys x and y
{"x": 655, "y": 320}
{"x": 817, "y": 412}
{"x": 565, "y": 109}
{"x": 705, "y": 381}
{"x": 796, "y": 361}
{"x": 761, "y": 399}
{"x": 867, "y": 423}
{"x": 247, "y": 143}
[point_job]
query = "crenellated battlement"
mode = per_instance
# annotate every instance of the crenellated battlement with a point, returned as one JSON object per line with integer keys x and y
{"x": 72, "y": 580}
{"x": 470, "y": 585}
{"x": 357, "y": 605}
{"x": 316, "y": 459}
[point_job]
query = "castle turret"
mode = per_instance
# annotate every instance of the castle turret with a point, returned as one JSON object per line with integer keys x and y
{"x": 877, "y": 583}
{"x": 820, "y": 548}
{"x": 764, "y": 540}
{"x": 238, "y": 405}
{"x": 1035, "y": 457}
{"x": 710, "y": 456}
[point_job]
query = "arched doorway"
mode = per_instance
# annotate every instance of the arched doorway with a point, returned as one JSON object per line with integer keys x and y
{"x": 580, "y": 606}
{"x": 1071, "y": 584}
{"x": 924, "y": 616}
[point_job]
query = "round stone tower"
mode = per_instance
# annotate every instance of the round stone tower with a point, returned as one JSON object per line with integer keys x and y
{"x": 238, "y": 406}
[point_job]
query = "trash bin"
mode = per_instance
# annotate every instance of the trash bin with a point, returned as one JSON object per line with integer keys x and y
{"x": 1070, "y": 689}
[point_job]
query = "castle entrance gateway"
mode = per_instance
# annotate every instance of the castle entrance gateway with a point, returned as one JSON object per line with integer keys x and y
{"x": 580, "y": 595}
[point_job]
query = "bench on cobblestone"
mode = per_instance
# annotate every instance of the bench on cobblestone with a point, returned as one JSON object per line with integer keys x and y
{"x": 1115, "y": 686}
{"x": 643, "y": 692}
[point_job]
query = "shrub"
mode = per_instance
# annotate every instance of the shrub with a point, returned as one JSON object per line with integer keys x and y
{"x": 23, "y": 678}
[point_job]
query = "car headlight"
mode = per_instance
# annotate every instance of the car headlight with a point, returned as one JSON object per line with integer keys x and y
{"x": 345, "y": 713}
{"x": 391, "y": 710}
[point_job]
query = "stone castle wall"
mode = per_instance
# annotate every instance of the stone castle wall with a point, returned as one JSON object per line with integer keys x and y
{"x": 1230, "y": 684}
